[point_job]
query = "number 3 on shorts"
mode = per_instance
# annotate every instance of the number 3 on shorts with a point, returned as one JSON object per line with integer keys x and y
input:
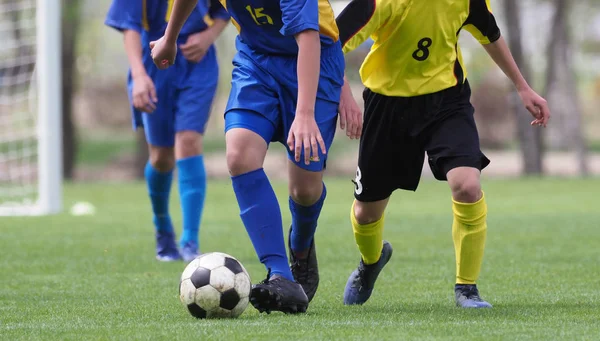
{"x": 357, "y": 184}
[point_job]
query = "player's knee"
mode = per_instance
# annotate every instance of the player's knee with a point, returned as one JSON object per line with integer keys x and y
{"x": 239, "y": 162}
{"x": 306, "y": 194}
{"x": 162, "y": 159}
{"x": 467, "y": 190}
{"x": 188, "y": 144}
{"x": 366, "y": 215}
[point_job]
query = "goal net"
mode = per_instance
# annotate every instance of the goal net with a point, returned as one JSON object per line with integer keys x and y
{"x": 30, "y": 156}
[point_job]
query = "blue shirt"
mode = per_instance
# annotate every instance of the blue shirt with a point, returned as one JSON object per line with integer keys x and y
{"x": 269, "y": 26}
{"x": 150, "y": 17}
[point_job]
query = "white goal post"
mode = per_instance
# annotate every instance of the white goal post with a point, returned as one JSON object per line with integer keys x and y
{"x": 30, "y": 108}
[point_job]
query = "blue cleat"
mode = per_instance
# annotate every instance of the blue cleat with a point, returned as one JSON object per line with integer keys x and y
{"x": 467, "y": 296}
{"x": 189, "y": 251}
{"x": 362, "y": 281}
{"x": 166, "y": 249}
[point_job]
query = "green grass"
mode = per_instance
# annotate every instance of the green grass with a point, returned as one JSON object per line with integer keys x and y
{"x": 101, "y": 151}
{"x": 95, "y": 278}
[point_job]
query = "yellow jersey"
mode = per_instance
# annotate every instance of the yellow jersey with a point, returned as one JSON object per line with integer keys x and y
{"x": 415, "y": 50}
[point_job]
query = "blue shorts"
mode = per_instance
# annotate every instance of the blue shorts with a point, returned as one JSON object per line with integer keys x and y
{"x": 185, "y": 94}
{"x": 264, "y": 92}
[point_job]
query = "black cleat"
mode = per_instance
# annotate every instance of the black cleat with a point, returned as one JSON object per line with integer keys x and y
{"x": 361, "y": 282}
{"x": 305, "y": 271}
{"x": 278, "y": 294}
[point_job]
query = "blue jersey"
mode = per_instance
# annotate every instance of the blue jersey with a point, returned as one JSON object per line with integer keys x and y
{"x": 269, "y": 26}
{"x": 150, "y": 17}
{"x": 185, "y": 91}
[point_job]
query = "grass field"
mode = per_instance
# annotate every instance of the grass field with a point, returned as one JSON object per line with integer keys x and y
{"x": 95, "y": 277}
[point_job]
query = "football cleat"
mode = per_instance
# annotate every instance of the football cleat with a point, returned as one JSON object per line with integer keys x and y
{"x": 467, "y": 296}
{"x": 189, "y": 251}
{"x": 362, "y": 281}
{"x": 166, "y": 249}
{"x": 277, "y": 293}
{"x": 305, "y": 271}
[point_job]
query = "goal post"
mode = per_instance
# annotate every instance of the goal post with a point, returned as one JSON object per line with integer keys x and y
{"x": 31, "y": 108}
{"x": 49, "y": 82}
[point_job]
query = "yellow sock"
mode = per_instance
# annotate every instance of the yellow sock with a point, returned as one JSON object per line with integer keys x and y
{"x": 468, "y": 231}
{"x": 369, "y": 238}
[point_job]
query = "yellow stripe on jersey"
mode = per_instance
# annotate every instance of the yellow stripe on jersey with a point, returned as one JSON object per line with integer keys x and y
{"x": 169, "y": 10}
{"x": 327, "y": 25}
{"x": 237, "y": 26}
{"x": 208, "y": 20}
{"x": 145, "y": 23}
{"x": 415, "y": 50}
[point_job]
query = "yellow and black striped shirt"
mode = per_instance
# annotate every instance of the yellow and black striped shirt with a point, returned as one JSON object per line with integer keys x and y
{"x": 415, "y": 50}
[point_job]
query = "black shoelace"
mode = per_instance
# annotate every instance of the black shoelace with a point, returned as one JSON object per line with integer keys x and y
{"x": 360, "y": 280}
{"x": 470, "y": 292}
{"x": 302, "y": 268}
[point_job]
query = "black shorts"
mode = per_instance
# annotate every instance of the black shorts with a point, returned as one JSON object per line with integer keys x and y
{"x": 398, "y": 131}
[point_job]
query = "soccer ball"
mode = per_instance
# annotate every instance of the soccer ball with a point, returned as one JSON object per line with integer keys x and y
{"x": 215, "y": 285}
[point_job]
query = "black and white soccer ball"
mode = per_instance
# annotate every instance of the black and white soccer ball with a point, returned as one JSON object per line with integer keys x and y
{"x": 215, "y": 285}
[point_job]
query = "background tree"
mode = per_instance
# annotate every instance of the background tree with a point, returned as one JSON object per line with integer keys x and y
{"x": 566, "y": 131}
{"x": 530, "y": 139}
{"x": 70, "y": 28}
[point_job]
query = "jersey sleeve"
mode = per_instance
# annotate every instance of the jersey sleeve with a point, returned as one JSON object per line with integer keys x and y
{"x": 125, "y": 15}
{"x": 359, "y": 20}
{"x": 481, "y": 22}
{"x": 217, "y": 11}
{"x": 298, "y": 16}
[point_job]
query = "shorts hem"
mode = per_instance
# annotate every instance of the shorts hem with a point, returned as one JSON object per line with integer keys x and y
{"x": 477, "y": 162}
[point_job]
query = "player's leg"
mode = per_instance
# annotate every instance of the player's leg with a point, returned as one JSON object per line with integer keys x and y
{"x": 455, "y": 156}
{"x": 191, "y": 177}
{"x": 247, "y": 139}
{"x": 253, "y": 114}
{"x": 194, "y": 102}
{"x": 307, "y": 193}
{"x": 159, "y": 175}
{"x": 389, "y": 158}
{"x": 158, "y": 128}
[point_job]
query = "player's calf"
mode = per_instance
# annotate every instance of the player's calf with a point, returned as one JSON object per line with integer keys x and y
{"x": 307, "y": 195}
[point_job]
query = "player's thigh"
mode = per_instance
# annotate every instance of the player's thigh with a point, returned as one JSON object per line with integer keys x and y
{"x": 194, "y": 104}
{"x": 453, "y": 140}
{"x": 389, "y": 157}
{"x": 193, "y": 107}
{"x": 246, "y": 139}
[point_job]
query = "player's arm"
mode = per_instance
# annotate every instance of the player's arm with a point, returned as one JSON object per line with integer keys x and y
{"x": 220, "y": 19}
{"x": 197, "y": 44}
{"x": 360, "y": 19}
{"x": 482, "y": 25}
{"x": 301, "y": 19}
{"x": 181, "y": 11}
{"x": 126, "y": 16}
{"x": 309, "y": 66}
{"x": 164, "y": 50}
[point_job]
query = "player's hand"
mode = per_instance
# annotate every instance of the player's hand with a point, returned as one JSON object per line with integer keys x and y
{"x": 350, "y": 113}
{"x": 163, "y": 53}
{"x": 305, "y": 135}
{"x": 197, "y": 45}
{"x": 537, "y": 106}
{"x": 144, "y": 93}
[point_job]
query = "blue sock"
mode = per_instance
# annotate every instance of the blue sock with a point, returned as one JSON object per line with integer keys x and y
{"x": 159, "y": 188}
{"x": 304, "y": 222}
{"x": 261, "y": 216}
{"x": 192, "y": 191}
